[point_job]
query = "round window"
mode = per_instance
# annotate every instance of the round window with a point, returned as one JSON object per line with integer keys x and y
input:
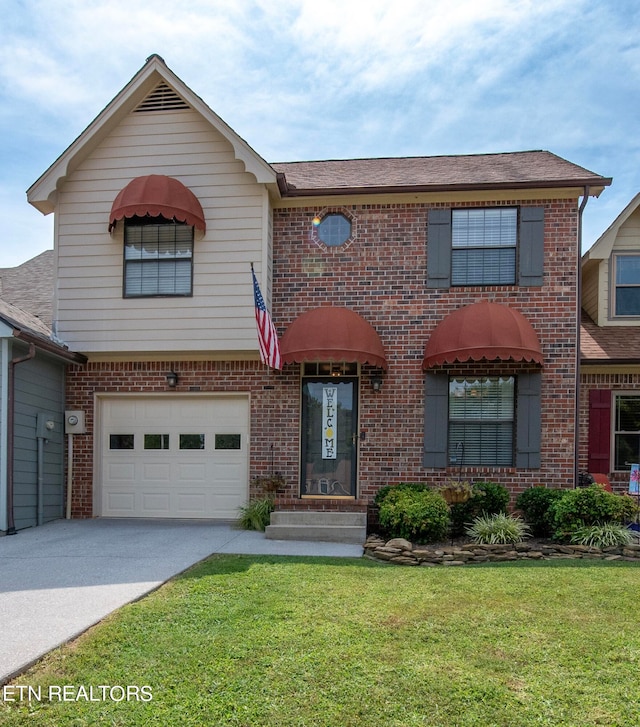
{"x": 334, "y": 230}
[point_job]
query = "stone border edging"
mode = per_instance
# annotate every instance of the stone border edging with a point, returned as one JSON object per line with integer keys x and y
{"x": 402, "y": 552}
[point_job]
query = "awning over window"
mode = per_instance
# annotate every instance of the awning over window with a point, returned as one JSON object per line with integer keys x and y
{"x": 482, "y": 331}
{"x": 156, "y": 195}
{"x": 332, "y": 334}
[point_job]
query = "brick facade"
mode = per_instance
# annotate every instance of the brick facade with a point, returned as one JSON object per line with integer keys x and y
{"x": 627, "y": 382}
{"x": 381, "y": 275}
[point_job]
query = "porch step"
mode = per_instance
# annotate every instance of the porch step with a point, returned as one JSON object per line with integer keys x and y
{"x": 332, "y": 527}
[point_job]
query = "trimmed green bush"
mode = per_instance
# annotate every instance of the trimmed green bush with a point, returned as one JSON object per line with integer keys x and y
{"x": 489, "y": 498}
{"x": 384, "y": 491}
{"x": 417, "y": 515}
{"x": 589, "y": 506}
{"x": 497, "y": 529}
{"x": 535, "y": 504}
{"x": 257, "y": 514}
{"x": 606, "y": 535}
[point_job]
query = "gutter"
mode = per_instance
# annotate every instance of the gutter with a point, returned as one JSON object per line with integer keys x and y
{"x": 576, "y": 414}
{"x": 11, "y": 526}
{"x": 50, "y": 347}
{"x": 288, "y": 190}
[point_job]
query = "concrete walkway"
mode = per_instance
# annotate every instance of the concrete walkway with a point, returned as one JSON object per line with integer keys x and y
{"x": 59, "y": 579}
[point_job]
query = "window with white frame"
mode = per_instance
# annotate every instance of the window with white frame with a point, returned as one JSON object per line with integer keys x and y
{"x": 158, "y": 256}
{"x": 626, "y": 433}
{"x": 481, "y": 420}
{"x": 626, "y": 293}
{"x": 483, "y": 245}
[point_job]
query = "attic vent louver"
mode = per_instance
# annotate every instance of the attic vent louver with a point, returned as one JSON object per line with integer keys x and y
{"x": 162, "y": 98}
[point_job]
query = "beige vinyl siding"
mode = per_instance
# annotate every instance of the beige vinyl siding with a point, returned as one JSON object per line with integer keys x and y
{"x": 627, "y": 240}
{"x": 92, "y": 315}
{"x": 590, "y": 279}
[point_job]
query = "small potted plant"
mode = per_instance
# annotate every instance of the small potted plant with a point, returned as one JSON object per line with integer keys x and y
{"x": 455, "y": 491}
{"x": 269, "y": 484}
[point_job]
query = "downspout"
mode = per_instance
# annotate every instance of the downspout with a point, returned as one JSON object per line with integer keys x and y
{"x": 11, "y": 526}
{"x": 576, "y": 424}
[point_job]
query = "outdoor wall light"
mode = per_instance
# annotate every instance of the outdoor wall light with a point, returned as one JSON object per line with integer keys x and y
{"x": 376, "y": 383}
{"x": 172, "y": 379}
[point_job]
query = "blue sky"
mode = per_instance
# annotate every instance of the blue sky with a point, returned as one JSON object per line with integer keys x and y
{"x": 332, "y": 79}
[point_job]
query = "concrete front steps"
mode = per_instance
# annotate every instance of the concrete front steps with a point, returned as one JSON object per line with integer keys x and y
{"x": 332, "y": 527}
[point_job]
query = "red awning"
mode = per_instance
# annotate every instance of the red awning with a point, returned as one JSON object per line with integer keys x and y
{"x": 482, "y": 331}
{"x": 332, "y": 334}
{"x": 156, "y": 195}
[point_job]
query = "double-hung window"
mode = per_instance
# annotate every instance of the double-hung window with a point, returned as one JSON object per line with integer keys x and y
{"x": 481, "y": 420}
{"x": 626, "y": 431}
{"x": 158, "y": 258}
{"x": 483, "y": 245}
{"x": 626, "y": 296}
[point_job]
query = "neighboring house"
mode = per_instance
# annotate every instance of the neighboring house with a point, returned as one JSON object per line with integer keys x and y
{"x": 610, "y": 350}
{"x": 32, "y": 383}
{"x": 30, "y": 286}
{"x": 427, "y": 309}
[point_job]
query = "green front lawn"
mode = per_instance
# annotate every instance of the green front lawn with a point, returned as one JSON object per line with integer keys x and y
{"x": 261, "y": 641}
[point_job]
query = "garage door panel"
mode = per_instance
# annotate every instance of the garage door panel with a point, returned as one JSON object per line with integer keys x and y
{"x": 147, "y": 474}
{"x": 122, "y": 471}
{"x": 157, "y": 472}
{"x": 120, "y": 502}
{"x": 158, "y": 503}
{"x": 191, "y": 472}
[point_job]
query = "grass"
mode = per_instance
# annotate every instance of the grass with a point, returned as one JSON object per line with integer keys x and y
{"x": 261, "y": 641}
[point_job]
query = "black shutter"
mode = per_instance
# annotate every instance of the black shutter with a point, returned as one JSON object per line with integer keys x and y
{"x": 528, "y": 420}
{"x": 436, "y": 420}
{"x": 531, "y": 246}
{"x": 439, "y": 248}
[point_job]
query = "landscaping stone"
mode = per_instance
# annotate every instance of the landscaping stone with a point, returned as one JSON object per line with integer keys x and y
{"x": 400, "y": 543}
{"x": 402, "y": 552}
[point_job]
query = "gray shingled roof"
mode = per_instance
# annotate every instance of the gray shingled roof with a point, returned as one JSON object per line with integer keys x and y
{"x": 489, "y": 171}
{"x": 23, "y": 320}
{"x": 608, "y": 344}
{"x": 30, "y": 286}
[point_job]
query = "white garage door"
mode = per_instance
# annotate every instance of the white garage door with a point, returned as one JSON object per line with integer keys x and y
{"x": 174, "y": 457}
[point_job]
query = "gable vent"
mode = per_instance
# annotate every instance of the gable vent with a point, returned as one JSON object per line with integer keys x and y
{"x": 162, "y": 98}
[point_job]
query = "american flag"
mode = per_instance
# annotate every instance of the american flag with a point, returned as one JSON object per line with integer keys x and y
{"x": 267, "y": 336}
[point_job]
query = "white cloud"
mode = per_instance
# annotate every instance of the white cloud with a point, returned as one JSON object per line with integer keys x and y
{"x": 305, "y": 79}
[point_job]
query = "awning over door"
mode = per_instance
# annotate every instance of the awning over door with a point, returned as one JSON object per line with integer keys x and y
{"x": 157, "y": 195}
{"x": 482, "y": 331}
{"x": 332, "y": 334}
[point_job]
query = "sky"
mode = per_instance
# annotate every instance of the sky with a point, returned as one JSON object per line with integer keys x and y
{"x": 332, "y": 79}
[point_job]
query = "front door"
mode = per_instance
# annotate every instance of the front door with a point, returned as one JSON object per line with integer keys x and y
{"x": 329, "y": 426}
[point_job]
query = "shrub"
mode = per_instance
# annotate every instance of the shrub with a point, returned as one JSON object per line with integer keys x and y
{"x": 384, "y": 491}
{"x": 257, "y": 514}
{"x": 488, "y": 498}
{"x": 497, "y": 528}
{"x": 589, "y": 506}
{"x": 419, "y": 515}
{"x": 535, "y": 504}
{"x": 604, "y": 535}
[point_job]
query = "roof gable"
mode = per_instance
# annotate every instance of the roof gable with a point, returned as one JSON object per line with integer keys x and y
{"x": 152, "y": 88}
{"x": 603, "y": 246}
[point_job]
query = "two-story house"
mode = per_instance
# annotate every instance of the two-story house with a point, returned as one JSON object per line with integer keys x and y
{"x": 610, "y": 347}
{"x": 427, "y": 310}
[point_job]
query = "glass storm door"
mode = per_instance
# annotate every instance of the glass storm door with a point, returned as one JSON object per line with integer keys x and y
{"x": 329, "y": 426}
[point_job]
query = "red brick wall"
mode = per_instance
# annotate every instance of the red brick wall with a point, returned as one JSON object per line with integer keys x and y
{"x": 381, "y": 276}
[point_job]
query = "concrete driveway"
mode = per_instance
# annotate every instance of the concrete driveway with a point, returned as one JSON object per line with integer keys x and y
{"x": 59, "y": 579}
